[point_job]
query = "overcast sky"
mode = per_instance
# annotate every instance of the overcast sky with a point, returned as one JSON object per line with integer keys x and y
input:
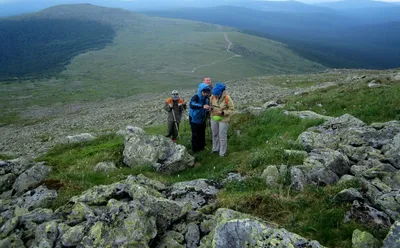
{"x": 162, "y": 1}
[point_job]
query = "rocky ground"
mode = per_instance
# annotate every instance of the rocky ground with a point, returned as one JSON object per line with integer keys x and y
{"x": 53, "y": 123}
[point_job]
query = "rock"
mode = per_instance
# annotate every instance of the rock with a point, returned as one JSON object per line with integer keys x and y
{"x": 270, "y": 104}
{"x": 392, "y": 239}
{"x": 79, "y": 213}
{"x": 308, "y": 115}
{"x": 367, "y": 215}
{"x": 296, "y": 153}
{"x": 6, "y": 182}
{"x": 271, "y": 176}
{"x": 346, "y": 178}
{"x": 12, "y": 241}
{"x": 348, "y": 195}
{"x": 192, "y": 236}
{"x": 30, "y": 178}
{"x": 73, "y": 236}
{"x": 321, "y": 176}
{"x": 164, "y": 155}
{"x": 374, "y": 84}
{"x": 330, "y": 159}
{"x": 233, "y": 177}
{"x": 236, "y": 230}
{"x": 46, "y": 234}
{"x": 358, "y": 170}
{"x": 390, "y": 203}
{"x": 197, "y": 192}
{"x": 298, "y": 181}
{"x": 38, "y": 216}
{"x": 105, "y": 167}
{"x": 393, "y": 154}
{"x": 83, "y": 137}
{"x": 364, "y": 240}
{"x": 381, "y": 186}
{"x": 8, "y": 227}
{"x": 145, "y": 181}
{"x": 396, "y": 77}
{"x": 39, "y": 197}
{"x": 171, "y": 239}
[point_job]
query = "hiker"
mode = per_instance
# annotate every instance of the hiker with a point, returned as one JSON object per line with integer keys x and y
{"x": 175, "y": 106}
{"x": 221, "y": 109}
{"x": 207, "y": 80}
{"x": 199, "y": 106}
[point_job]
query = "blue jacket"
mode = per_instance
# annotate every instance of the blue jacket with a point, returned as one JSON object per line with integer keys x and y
{"x": 197, "y": 113}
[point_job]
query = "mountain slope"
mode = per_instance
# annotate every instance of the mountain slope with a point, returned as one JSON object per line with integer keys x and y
{"x": 335, "y": 39}
{"x": 153, "y": 54}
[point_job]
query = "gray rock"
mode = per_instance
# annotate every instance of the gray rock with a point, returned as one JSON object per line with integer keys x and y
{"x": 38, "y": 216}
{"x": 365, "y": 214}
{"x": 358, "y": 170}
{"x": 392, "y": 239}
{"x": 381, "y": 186}
{"x": 192, "y": 236}
{"x": 271, "y": 176}
{"x": 270, "y": 104}
{"x": 165, "y": 156}
{"x": 197, "y": 192}
{"x": 105, "y": 167}
{"x": 298, "y": 180}
{"x": 171, "y": 239}
{"x": 364, "y": 240}
{"x": 79, "y": 138}
{"x": 46, "y": 234}
{"x": 393, "y": 155}
{"x": 12, "y": 241}
{"x": 236, "y": 230}
{"x": 296, "y": 153}
{"x": 321, "y": 176}
{"x": 346, "y": 178}
{"x": 73, "y": 236}
{"x": 374, "y": 84}
{"x": 390, "y": 203}
{"x": 308, "y": 115}
{"x": 6, "y": 182}
{"x": 39, "y": 197}
{"x": 8, "y": 227}
{"x": 330, "y": 159}
{"x": 348, "y": 195}
{"x": 233, "y": 177}
{"x": 30, "y": 178}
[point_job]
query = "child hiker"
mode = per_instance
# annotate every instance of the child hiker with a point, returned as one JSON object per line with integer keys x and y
{"x": 175, "y": 106}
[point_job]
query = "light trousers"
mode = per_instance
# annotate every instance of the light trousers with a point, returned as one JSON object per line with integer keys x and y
{"x": 219, "y": 137}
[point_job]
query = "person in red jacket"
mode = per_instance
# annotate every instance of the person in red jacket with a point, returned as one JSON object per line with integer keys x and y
{"x": 175, "y": 106}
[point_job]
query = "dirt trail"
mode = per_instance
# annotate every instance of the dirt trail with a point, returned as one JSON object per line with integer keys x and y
{"x": 222, "y": 59}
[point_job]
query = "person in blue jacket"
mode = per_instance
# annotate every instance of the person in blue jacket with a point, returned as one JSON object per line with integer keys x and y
{"x": 199, "y": 107}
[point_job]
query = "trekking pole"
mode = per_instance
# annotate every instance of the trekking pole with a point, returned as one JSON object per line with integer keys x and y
{"x": 176, "y": 125}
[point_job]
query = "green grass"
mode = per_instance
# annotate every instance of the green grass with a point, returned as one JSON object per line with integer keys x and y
{"x": 312, "y": 214}
{"x": 254, "y": 142}
{"x": 368, "y": 104}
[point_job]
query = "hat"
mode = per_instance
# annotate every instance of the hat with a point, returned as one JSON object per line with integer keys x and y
{"x": 218, "y": 89}
{"x": 175, "y": 95}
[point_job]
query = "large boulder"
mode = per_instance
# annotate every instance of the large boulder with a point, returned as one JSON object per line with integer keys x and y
{"x": 30, "y": 178}
{"x": 330, "y": 159}
{"x": 367, "y": 215}
{"x": 164, "y": 155}
{"x": 390, "y": 203}
{"x": 235, "y": 230}
{"x": 298, "y": 180}
{"x": 392, "y": 240}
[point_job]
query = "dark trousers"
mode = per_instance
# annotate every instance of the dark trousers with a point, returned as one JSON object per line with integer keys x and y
{"x": 172, "y": 132}
{"x": 198, "y": 136}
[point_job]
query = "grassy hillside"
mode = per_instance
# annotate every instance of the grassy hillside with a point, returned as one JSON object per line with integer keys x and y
{"x": 336, "y": 39}
{"x": 261, "y": 143}
{"x": 149, "y": 54}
